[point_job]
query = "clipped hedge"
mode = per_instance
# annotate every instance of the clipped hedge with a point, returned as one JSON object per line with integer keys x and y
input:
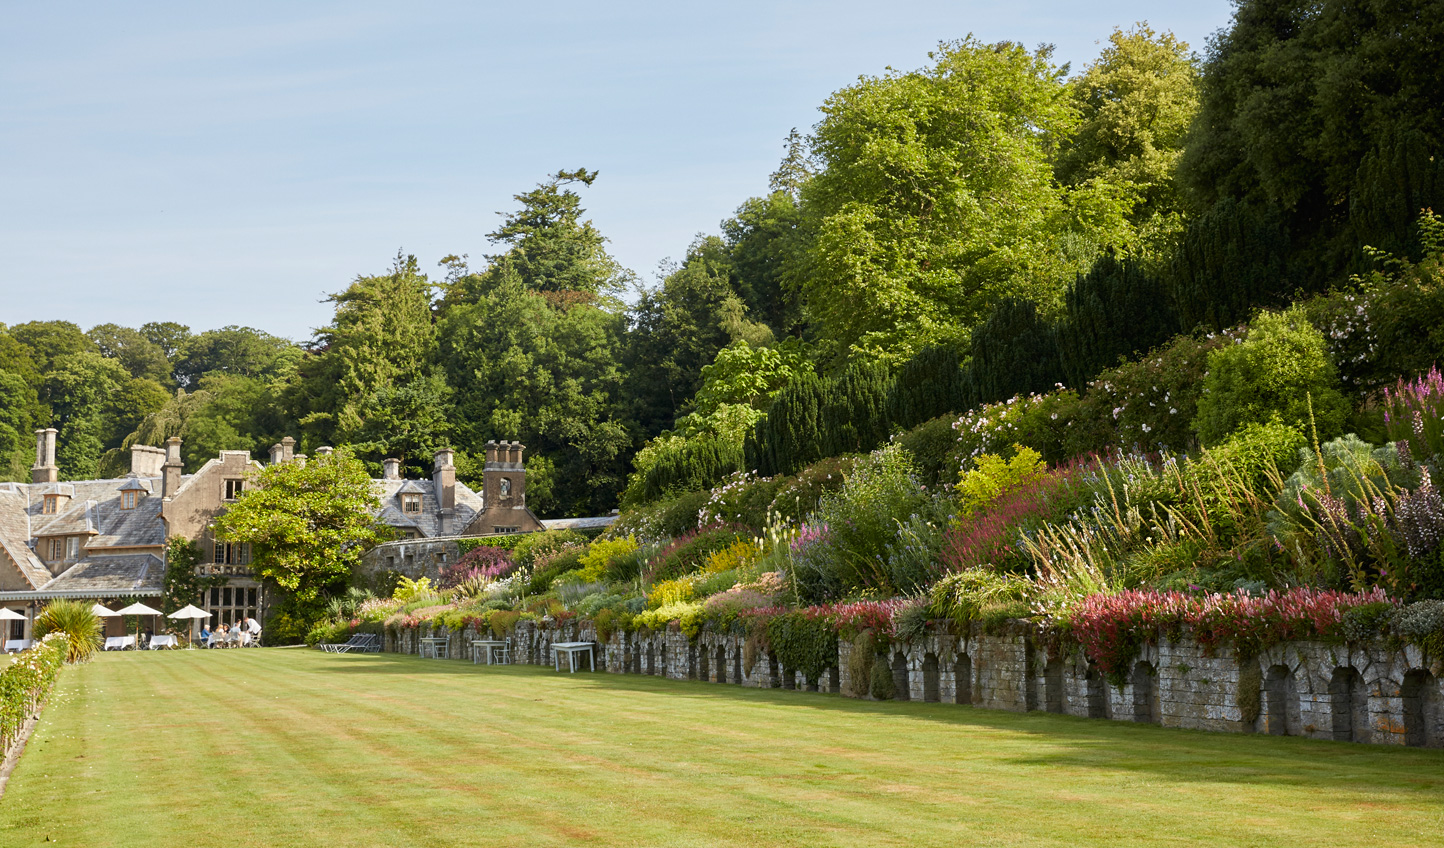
{"x": 24, "y": 685}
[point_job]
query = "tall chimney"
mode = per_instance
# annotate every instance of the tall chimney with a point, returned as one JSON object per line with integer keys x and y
{"x": 443, "y": 474}
{"x": 171, "y": 470}
{"x": 514, "y": 454}
{"x": 276, "y": 453}
{"x": 490, "y": 452}
{"x": 391, "y": 469}
{"x": 45, "y": 470}
{"x": 288, "y": 449}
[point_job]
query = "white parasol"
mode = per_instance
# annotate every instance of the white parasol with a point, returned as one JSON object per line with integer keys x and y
{"x": 104, "y": 612}
{"x": 190, "y": 611}
{"x": 7, "y": 614}
{"x": 138, "y": 608}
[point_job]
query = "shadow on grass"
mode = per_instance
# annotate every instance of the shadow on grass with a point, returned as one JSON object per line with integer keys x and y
{"x": 1192, "y": 755}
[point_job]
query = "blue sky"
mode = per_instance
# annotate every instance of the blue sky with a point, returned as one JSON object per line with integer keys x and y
{"x": 232, "y": 163}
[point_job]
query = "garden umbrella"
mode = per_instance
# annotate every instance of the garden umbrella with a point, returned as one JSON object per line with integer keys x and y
{"x": 104, "y": 612}
{"x": 190, "y": 611}
{"x": 138, "y": 608}
{"x": 7, "y": 614}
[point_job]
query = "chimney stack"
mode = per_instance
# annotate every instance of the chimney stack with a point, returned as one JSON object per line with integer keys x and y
{"x": 324, "y": 451}
{"x": 391, "y": 469}
{"x": 491, "y": 452}
{"x": 146, "y": 461}
{"x": 276, "y": 451}
{"x": 514, "y": 453}
{"x": 443, "y": 474}
{"x": 288, "y": 449}
{"x": 45, "y": 470}
{"x": 171, "y": 470}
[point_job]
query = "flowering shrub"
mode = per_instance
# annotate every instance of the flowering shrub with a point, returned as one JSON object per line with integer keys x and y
{"x": 1112, "y": 629}
{"x": 850, "y": 619}
{"x": 687, "y": 615}
{"x": 1038, "y": 421}
{"x": 991, "y": 537}
{"x": 1149, "y": 404}
{"x": 26, "y": 682}
{"x": 480, "y": 565}
{"x": 688, "y": 552}
{"x": 1414, "y": 413}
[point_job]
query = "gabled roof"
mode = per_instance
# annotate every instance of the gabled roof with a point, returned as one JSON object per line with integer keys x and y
{"x": 14, "y": 534}
{"x": 428, "y": 521}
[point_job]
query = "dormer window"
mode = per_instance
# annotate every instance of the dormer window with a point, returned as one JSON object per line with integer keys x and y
{"x": 51, "y": 505}
{"x": 234, "y": 487}
{"x": 411, "y": 504}
{"x": 127, "y": 499}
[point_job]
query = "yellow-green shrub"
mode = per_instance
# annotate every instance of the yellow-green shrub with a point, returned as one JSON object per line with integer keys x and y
{"x": 657, "y": 619}
{"x": 992, "y": 477}
{"x": 741, "y": 553}
{"x": 671, "y": 592}
{"x": 600, "y": 555}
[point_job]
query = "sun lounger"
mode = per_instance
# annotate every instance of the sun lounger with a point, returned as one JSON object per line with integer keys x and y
{"x": 119, "y": 643}
{"x": 13, "y": 646}
{"x": 366, "y": 643}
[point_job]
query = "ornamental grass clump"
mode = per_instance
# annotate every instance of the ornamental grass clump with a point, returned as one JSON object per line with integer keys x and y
{"x": 77, "y": 621}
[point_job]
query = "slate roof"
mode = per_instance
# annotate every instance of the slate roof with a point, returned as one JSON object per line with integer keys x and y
{"x": 110, "y": 575}
{"x": 14, "y": 534}
{"x": 589, "y": 523}
{"x": 428, "y": 523}
{"x": 95, "y": 511}
{"x": 92, "y": 511}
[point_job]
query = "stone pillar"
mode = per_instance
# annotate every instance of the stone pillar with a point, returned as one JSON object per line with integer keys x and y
{"x": 171, "y": 470}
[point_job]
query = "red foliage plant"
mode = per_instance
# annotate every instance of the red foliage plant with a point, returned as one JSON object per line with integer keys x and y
{"x": 1112, "y": 628}
{"x": 989, "y": 538}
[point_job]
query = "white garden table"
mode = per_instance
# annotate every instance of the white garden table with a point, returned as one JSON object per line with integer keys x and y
{"x": 483, "y": 648}
{"x": 571, "y": 649}
{"x": 437, "y": 644}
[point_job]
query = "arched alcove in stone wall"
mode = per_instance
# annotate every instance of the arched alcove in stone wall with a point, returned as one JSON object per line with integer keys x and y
{"x": 773, "y": 678}
{"x": 900, "y": 677}
{"x": 930, "y": 677}
{"x": 963, "y": 679}
{"x": 1281, "y": 700}
{"x": 1144, "y": 683}
{"x": 737, "y": 666}
{"x": 1053, "y": 685}
{"x": 1348, "y": 705}
{"x": 693, "y": 672}
{"x": 1423, "y": 723}
{"x": 651, "y": 657}
{"x": 1097, "y": 693}
{"x": 721, "y": 663}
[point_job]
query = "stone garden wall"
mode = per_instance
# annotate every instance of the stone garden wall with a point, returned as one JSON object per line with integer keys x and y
{"x": 1364, "y": 694}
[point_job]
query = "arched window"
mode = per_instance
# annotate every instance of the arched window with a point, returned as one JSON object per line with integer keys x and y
{"x": 505, "y": 487}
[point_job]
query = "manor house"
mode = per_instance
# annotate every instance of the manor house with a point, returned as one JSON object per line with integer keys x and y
{"x": 104, "y": 540}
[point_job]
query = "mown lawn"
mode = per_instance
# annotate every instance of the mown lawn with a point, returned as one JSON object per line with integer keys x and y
{"x": 294, "y": 747}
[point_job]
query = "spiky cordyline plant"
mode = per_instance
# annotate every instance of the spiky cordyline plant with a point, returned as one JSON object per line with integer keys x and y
{"x": 78, "y": 621}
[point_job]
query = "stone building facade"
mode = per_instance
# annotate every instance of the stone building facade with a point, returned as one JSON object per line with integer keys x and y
{"x": 105, "y": 540}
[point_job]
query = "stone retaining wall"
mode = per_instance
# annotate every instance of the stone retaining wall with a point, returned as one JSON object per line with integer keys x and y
{"x": 1356, "y": 693}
